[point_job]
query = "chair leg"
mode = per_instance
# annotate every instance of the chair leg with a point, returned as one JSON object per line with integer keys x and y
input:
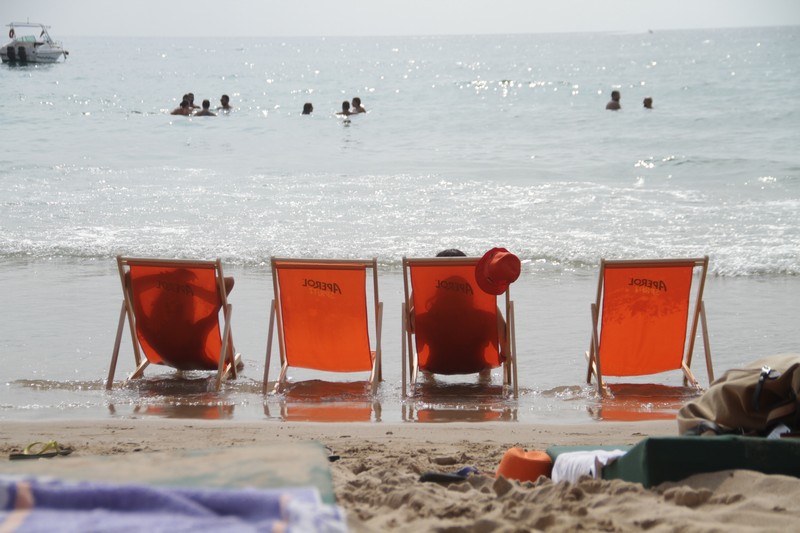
{"x": 403, "y": 355}
{"x": 375, "y": 376}
{"x": 513, "y": 345}
{"x": 378, "y": 341}
{"x": 224, "y": 368}
{"x": 115, "y": 354}
{"x": 281, "y": 378}
{"x": 594, "y": 353}
{"x": 139, "y": 372}
{"x": 706, "y": 343}
{"x": 269, "y": 346}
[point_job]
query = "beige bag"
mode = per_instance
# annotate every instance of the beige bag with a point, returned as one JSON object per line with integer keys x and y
{"x": 747, "y": 401}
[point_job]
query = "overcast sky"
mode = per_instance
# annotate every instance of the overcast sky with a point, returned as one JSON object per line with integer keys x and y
{"x": 388, "y": 17}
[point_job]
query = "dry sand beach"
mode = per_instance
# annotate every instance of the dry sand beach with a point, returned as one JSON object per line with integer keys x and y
{"x": 376, "y": 479}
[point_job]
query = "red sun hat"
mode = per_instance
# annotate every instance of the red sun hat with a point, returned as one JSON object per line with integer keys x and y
{"x": 496, "y": 270}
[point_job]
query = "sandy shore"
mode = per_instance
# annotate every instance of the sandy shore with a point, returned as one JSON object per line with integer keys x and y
{"x": 376, "y": 478}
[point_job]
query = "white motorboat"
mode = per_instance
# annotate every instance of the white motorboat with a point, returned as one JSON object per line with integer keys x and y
{"x": 26, "y": 47}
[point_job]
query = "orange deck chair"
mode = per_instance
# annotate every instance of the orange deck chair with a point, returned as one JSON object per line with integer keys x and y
{"x": 445, "y": 317}
{"x": 323, "y": 322}
{"x": 642, "y": 316}
{"x": 173, "y": 309}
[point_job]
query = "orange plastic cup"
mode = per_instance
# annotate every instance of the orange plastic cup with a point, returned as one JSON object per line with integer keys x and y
{"x": 525, "y": 466}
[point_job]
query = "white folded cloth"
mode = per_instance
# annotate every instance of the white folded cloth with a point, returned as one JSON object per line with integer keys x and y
{"x": 570, "y": 466}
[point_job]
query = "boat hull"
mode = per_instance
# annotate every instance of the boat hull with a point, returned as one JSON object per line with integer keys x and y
{"x": 28, "y": 53}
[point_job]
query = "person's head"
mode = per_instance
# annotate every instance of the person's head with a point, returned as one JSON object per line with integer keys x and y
{"x": 308, "y": 108}
{"x": 615, "y": 96}
{"x": 190, "y": 97}
{"x": 345, "y": 106}
{"x": 356, "y": 101}
{"x": 224, "y": 100}
{"x": 451, "y": 252}
{"x": 452, "y": 294}
{"x": 184, "y": 103}
{"x": 206, "y": 104}
{"x": 648, "y": 102}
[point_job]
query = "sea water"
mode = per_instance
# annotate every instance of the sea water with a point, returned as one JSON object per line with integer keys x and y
{"x": 469, "y": 142}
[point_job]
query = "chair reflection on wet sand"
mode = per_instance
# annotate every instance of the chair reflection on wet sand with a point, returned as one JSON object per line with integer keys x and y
{"x": 451, "y": 326}
{"x": 198, "y": 412}
{"x": 326, "y": 401}
{"x": 635, "y": 402}
{"x": 641, "y": 319}
{"x": 173, "y": 309}
{"x": 323, "y": 318}
{"x": 171, "y": 396}
{"x": 445, "y": 400}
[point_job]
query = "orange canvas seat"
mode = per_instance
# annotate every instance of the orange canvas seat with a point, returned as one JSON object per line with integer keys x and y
{"x": 645, "y": 319}
{"x": 451, "y": 326}
{"x": 322, "y": 317}
{"x": 173, "y": 309}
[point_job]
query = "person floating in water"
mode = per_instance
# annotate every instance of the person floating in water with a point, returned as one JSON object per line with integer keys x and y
{"x": 308, "y": 108}
{"x": 205, "y": 111}
{"x": 182, "y": 109}
{"x": 357, "y": 107}
{"x": 190, "y": 98}
{"x": 225, "y": 104}
{"x": 345, "y": 112}
{"x": 614, "y": 103}
{"x": 648, "y": 102}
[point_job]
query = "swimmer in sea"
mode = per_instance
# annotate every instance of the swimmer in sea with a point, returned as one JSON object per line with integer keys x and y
{"x": 182, "y": 109}
{"x": 225, "y": 104}
{"x": 357, "y": 107}
{"x": 308, "y": 108}
{"x": 205, "y": 111}
{"x": 648, "y": 103}
{"x": 345, "y": 109}
{"x": 614, "y": 103}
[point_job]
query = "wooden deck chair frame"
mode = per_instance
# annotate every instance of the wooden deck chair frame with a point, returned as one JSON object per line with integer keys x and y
{"x": 697, "y": 315}
{"x": 229, "y": 360}
{"x": 410, "y": 362}
{"x": 276, "y": 319}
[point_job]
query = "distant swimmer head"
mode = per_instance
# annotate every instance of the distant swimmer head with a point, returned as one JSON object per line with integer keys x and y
{"x": 308, "y": 108}
{"x": 615, "y": 96}
{"x": 345, "y": 107}
{"x": 224, "y": 100}
{"x": 648, "y": 103}
{"x": 206, "y": 104}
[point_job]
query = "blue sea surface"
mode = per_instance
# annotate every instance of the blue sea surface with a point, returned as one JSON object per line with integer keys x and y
{"x": 469, "y": 142}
